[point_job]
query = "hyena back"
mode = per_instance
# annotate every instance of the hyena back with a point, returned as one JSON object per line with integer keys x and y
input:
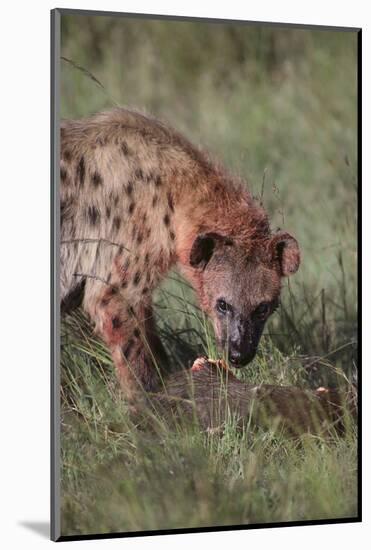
{"x": 136, "y": 199}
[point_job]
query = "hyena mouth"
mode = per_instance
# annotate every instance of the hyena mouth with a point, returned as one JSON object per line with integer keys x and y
{"x": 239, "y": 364}
{"x": 239, "y": 359}
{"x": 236, "y": 358}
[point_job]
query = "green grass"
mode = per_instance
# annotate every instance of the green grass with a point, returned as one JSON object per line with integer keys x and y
{"x": 275, "y": 107}
{"x": 124, "y": 472}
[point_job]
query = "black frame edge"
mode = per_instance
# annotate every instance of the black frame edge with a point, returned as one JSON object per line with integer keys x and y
{"x": 359, "y": 266}
{"x": 214, "y": 529}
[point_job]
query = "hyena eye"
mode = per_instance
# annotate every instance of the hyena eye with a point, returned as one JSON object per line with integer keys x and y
{"x": 263, "y": 309}
{"x": 223, "y": 307}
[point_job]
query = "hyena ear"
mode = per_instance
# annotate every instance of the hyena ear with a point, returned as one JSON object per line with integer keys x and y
{"x": 284, "y": 248}
{"x": 203, "y": 248}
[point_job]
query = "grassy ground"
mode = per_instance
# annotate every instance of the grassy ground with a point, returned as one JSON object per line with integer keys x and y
{"x": 276, "y": 108}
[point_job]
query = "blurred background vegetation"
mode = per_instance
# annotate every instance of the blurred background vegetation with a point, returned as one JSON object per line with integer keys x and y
{"x": 279, "y": 107}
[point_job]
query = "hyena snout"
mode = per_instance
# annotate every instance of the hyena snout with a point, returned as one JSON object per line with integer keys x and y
{"x": 242, "y": 344}
{"x": 240, "y": 358}
{"x": 241, "y": 355}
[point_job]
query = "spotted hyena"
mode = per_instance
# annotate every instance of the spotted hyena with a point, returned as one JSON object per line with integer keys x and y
{"x": 137, "y": 199}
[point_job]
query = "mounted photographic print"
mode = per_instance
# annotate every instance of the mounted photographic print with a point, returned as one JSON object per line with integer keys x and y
{"x": 205, "y": 371}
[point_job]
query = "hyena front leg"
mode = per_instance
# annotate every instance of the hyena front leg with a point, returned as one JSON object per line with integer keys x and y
{"x": 129, "y": 333}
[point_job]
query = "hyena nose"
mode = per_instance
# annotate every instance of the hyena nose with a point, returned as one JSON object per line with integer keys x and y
{"x": 235, "y": 357}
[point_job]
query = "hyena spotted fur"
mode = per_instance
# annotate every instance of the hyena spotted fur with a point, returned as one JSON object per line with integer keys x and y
{"x": 137, "y": 199}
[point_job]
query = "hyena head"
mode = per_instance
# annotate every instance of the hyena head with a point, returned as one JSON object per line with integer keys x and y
{"x": 240, "y": 290}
